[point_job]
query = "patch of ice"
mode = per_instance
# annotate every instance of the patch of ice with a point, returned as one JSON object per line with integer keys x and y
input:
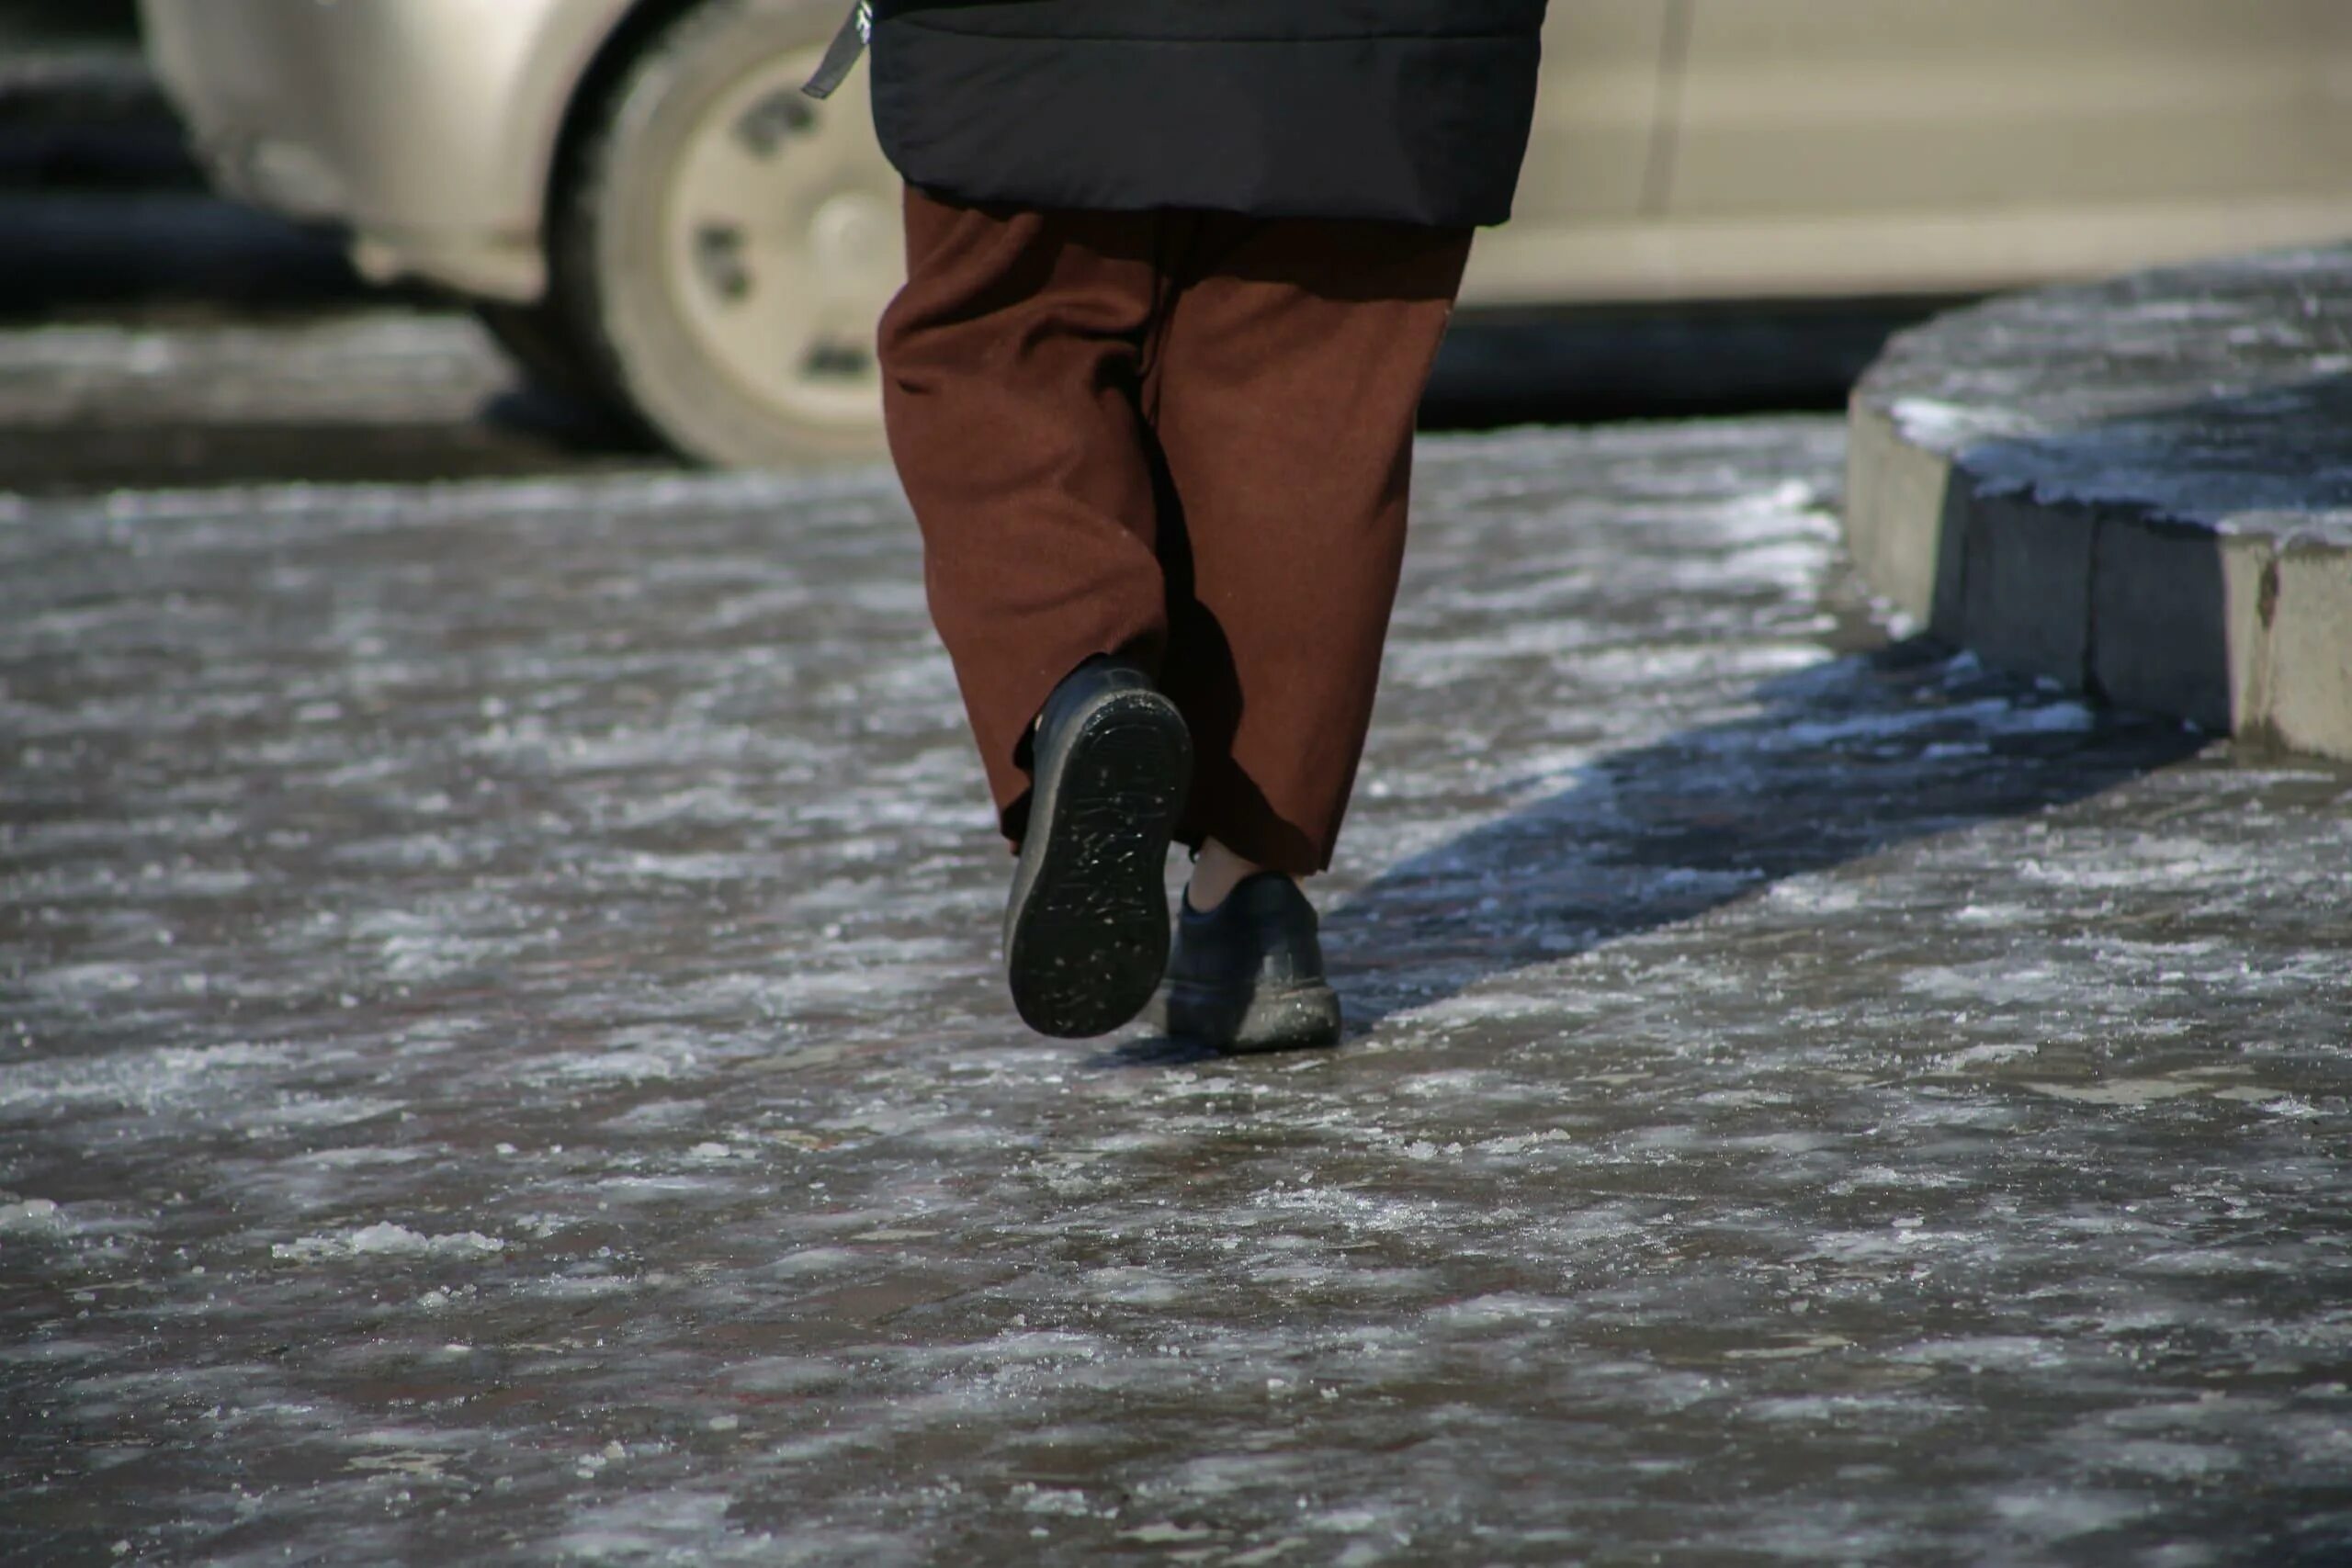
{"x": 677, "y": 1526}
{"x": 387, "y": 1240}
{"x": 2172, "y": 1461}
{"x": 1507, "y": 1307}
{"x": 140, "y": 1080}
{"x": 313, "y": 1111}
{"x": 1522, "y": 1144}
{"x": 1948, "y": 427}
{"x": 2269, "y": 1101}
{"x": 1817, "y": 1345}
{"x": 2055, "y": 718}
{"x": 2052, "y": 1514}
{"x": 638, "y": 1056}
{"x": 1056, "y": 1501}
{"x": 2218, "y": 1260}
{"x": 2119, "y": 1091}
{"x": 31, "y": 1215}
{"x": 1816, "y": 895}
{"x": 1982, "y": 1352}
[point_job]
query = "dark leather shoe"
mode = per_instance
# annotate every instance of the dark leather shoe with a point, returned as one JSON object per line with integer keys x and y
{"x": 1086, "y": 930}
{"x": 1248, "y": 974}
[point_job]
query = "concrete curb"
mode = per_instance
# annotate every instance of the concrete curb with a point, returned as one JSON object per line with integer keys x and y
{"x": 2141, "y": 490}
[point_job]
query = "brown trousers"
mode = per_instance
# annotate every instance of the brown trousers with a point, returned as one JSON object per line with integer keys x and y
{"x": 1182, "y": 438}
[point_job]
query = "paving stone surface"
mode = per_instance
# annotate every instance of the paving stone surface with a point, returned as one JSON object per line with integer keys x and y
{"x": 500, "y": 1061}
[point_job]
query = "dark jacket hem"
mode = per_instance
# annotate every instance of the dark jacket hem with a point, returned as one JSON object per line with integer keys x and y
{"x": 1402, "y": 127}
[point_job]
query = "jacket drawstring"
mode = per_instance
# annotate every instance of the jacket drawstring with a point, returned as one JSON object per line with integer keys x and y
{"x": 841, "y": 55}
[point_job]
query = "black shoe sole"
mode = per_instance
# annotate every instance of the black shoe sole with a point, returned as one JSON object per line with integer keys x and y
{"x": 1295, "y": 1018}
{"x": 1086, "y": 930}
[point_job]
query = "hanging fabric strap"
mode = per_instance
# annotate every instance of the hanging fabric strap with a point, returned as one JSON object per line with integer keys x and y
{"x": 857, "y": 28}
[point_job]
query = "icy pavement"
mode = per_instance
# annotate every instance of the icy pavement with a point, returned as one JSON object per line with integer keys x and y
{"x": 378, "y": 394}
{"x": 502, "y": 1062}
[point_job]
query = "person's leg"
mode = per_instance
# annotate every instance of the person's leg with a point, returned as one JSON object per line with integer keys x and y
{"x": 1010, "y": 369}
{"x": 1013, "y": 364}
{"x": 1283, "y": 395}
{"x": 1217, "y": 870}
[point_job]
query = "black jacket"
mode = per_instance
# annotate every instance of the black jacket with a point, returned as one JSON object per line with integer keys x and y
{"x": 1410, "y": 110}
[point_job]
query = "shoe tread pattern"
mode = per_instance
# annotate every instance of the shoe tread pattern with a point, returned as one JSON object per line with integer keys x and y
{"x": 1089, "y": 941}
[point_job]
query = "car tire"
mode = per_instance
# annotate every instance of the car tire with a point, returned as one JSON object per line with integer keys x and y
{"x": 723, "y": 244}
{"x": 540, "y": 340}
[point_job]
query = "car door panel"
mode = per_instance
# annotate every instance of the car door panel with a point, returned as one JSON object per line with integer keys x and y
{"x": 1849, "y": 108}
{"x": 1596, "y": 130}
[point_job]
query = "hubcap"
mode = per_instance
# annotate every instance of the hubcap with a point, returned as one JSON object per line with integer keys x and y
{"x": 782, "y": 242}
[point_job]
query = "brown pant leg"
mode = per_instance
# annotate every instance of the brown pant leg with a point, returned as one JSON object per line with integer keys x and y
{"x": 1010, "y": 373}
{"x": 1288, "y": 374}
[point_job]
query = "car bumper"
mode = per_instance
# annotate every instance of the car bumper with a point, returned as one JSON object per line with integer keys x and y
{"x": 426, "y": 127}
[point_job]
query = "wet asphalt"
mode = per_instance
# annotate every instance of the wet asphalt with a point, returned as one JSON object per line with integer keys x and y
{"x": 502, "y": 1059}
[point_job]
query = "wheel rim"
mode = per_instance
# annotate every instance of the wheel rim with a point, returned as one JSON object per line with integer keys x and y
{"x": 781, "y": 242}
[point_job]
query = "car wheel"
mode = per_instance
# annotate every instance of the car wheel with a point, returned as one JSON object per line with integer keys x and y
{"x": 725, "y": 244}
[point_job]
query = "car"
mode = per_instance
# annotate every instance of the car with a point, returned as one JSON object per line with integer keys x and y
{"x": 647, "y": 210}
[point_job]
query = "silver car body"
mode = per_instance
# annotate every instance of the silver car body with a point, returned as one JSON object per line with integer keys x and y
{"x": 1686, "y": 149}
{"x": 429, "y": 126}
